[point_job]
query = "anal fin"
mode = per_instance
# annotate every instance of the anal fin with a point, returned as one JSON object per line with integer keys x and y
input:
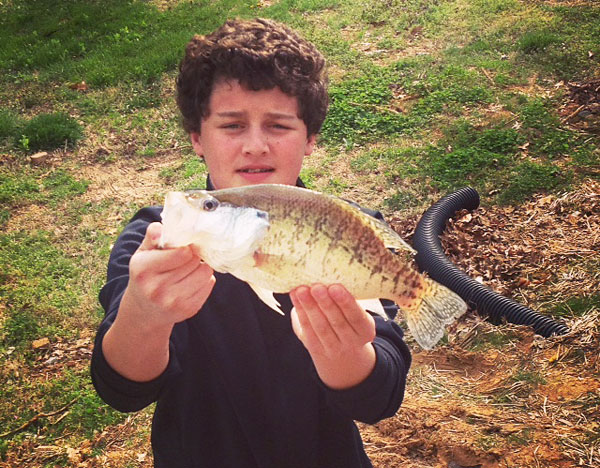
{"x": 267, "y": 297}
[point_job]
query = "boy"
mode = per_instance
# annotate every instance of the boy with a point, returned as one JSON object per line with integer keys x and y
{"x": 237, "y": 385}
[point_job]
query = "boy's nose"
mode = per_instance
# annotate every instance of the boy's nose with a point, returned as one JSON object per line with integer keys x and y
{"x": 256, "y": 142}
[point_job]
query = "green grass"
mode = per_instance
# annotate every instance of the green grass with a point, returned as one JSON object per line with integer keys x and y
{"x": 37, "y": 287}
{"x": 24, "y": 186}
{"x": 61, "y": 185}
{"x": 530, "y": 177}
{"x": 17, "y": 187}
{"x": 51, "y": 131}
{"x": 362, "y": 109}
{"x": 576, "y": 306}
{"x": 493, "y": 340}
{"x": 531, "y": 377}
{"x": 189, "y": 174}
{"x": 10, "y": 124}
{"x": 85, "y": 411}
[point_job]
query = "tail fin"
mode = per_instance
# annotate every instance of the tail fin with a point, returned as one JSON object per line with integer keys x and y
{"x": 439, "y": 307}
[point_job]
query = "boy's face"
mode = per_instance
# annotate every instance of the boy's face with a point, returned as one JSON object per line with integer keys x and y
{"x": 252, "y": 137}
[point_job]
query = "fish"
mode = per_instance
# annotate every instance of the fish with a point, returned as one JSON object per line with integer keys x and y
{"x": 278, "y": 237}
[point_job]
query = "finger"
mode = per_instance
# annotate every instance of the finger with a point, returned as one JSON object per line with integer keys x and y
{"x": 160, "y": 261}
{"x": 152, "y": 237}
{"x": 180, "y": 272}
{"x": 198, "y": 287}
{"x": 196, "y": 278}
{"x": 330, "y": 309}
{"x": 185, "y": 298}
{"x": 319, "y": 322}
{"x": 302, "y": 327}
{"x": 360, "y": 321}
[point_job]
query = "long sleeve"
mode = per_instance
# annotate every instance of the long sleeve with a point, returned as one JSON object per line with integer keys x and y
{"x": 116, "y": 390}
{"x": 381, "y": 394}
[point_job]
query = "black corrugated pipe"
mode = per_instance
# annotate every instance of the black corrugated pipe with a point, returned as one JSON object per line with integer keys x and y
{"x": 431, "y": 258}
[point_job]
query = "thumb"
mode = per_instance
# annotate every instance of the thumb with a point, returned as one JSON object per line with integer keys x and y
{"x": 296, "y": 324}
{"x": 152, "y": 238}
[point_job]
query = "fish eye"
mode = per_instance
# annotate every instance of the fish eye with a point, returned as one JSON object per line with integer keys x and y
{"x": 210, "y": 204}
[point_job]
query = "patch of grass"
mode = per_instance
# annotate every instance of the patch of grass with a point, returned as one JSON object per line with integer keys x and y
{"x": 576, "y": 306}
{"x": 498, "y": 139}
{"x": 359, "y": 110}
{"x": 10, "y": 124}
{"x": 536, "y": 41}
{"x": 531, "y": 377}
{"x": 492, "y": 340}
{"x": 189, "y": 174}
{"x": 447, "y": 88}
{"x": 401, "y": 200}
{"x": 36, "y": 286}
{"x": 471, "y": 156}
{"x": 309, "y": 176}
{"x": 61, "y": 185}
{"x": 381, "y": 160}
{"x": 144, "y": 97}
{"x": 87, "y": 413}
{"x": 23, "y": 186}
{"x": 543, "y": 129}
{"x": 100, "y": 43}
{"x": 336, "y": 185}
{"x": 17, "y": 187}
{"x": 522, "y": 437}
{"x": 536, "y": 114}
{"x": 489, "y": 442}
{"x": 531, "y": 177}
{"x": 559, "y": 46}
{"x": 520, "y": 384}
{"x": 51, "y": 131}
{"x": 362, "y": 109}
{"x": 453, "y": 169}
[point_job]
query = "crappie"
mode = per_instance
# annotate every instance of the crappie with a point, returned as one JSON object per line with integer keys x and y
{"x": 278, "y": 237}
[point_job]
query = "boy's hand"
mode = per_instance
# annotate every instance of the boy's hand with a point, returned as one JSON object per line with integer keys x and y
{"x": 166, "y": 286}
{"x": 337, "y": 333}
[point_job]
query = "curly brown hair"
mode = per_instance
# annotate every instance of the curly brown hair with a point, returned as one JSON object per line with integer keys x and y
{"x": 260, "y": 54}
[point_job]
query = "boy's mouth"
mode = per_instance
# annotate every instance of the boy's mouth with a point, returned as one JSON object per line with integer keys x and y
{"x": 255, "y": 170}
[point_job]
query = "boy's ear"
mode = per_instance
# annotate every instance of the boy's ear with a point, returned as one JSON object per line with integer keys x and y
{"x": 310, "y": 144}
{"x": 196, "y": 144}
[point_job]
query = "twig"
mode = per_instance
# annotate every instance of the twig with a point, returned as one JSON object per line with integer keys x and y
{"x": 37, "y": 417}
{"x": 572, "y": 114}
{"x": 487, "y": 75}
{"x": 375, "y": 106}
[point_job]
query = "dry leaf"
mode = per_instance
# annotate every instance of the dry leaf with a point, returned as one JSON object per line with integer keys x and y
{"x": 74, "y": 455}
{"x": 40, "y": 343}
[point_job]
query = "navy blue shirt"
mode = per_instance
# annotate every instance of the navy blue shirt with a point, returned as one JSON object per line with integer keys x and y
{"x": 240, "y": 389}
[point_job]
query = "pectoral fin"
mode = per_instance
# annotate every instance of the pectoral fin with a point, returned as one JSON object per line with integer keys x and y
{"x": 267, "y": 297}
